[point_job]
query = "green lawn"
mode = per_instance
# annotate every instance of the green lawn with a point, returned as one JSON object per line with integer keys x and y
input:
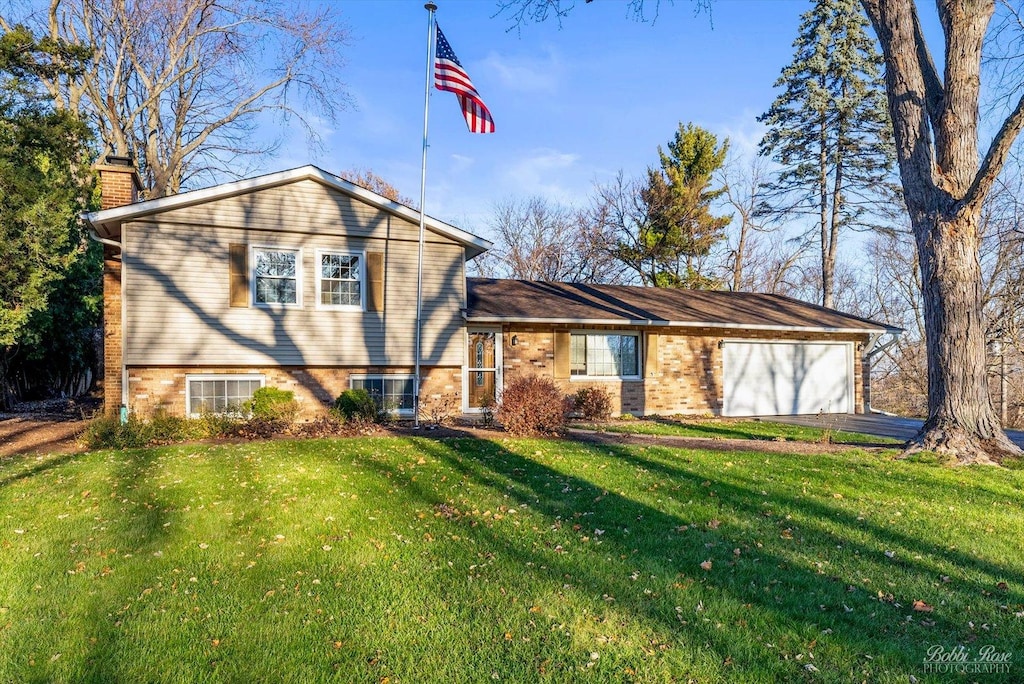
{"x": 724, "y": 428}
{"x": 413, "y": 560}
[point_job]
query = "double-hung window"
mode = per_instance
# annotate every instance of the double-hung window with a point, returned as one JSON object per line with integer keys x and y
{"x": 340, "y": 280}
{"x": 393, "y": 393}
{"x": 276, "y": 276}
{"x": 604, "y": 355}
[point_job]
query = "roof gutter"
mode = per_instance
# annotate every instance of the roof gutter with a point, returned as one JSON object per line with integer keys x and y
{"x": 874, "y": 349}
{"x": 647, "y": 322}
{"x": 103, "y": 241}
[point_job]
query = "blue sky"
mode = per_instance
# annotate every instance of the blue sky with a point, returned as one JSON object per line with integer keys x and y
{"x": 572, "y": 104}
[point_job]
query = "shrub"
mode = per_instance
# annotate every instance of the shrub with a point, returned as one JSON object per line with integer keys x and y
{"x": 271, "y": 403}
{"x": 108, "y": 432}
{"x": 212, "y": 425}
{"x": 593, "y": 403}
{"x": 165, "y": 428}
{"x": 357, "y": 404}
{"x": 442, "y": 411}
{"x": 532, "y": 405}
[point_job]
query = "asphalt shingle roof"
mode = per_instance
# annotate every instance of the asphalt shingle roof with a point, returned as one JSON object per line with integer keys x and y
{"x": 492, "y": 300}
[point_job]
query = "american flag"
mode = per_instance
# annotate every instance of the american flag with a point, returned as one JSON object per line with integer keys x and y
{"x": 449, "y": 75}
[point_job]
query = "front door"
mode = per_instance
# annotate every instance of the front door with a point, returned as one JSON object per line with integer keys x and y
{"x": 481, "y": 369}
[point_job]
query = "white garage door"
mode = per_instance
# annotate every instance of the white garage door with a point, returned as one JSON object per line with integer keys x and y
{"x": 791, "y": 378}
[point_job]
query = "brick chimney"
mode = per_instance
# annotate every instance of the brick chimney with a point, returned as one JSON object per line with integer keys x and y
{"x": 119, "y": 185}
{"x": 119, "y": 182}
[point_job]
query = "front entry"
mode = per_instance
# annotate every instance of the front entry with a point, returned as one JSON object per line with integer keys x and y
{"x": 482, "y": 363}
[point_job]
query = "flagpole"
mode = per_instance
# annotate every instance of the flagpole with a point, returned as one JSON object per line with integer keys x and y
{"x": 431, "y": 8}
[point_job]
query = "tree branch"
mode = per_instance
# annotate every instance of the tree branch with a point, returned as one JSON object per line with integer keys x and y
{"x": 994, "y": 160}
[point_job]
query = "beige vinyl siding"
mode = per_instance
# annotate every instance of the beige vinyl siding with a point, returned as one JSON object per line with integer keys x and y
{"x": 178, "y": 286}
{"x": 303, "y": 206}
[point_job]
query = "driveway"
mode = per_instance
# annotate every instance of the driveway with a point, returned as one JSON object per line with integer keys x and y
{"x": 872, "y": 424}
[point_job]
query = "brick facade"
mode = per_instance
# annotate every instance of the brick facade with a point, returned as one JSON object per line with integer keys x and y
{"x": 119, "y": 185}
{"x": 112, "y": 330}
{"x": 162, "y": 388}
{"x": 686, "y": 379}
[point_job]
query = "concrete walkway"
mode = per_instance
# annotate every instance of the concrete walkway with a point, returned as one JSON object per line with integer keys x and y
{"x": 873, "y": 424}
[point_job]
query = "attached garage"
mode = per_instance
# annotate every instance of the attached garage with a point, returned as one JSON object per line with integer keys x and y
{"x": 663, "y": 351}
{"x": 787, "y": 378}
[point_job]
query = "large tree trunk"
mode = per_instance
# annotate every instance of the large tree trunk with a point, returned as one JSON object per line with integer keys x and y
{"x": 935, "y": 124}
{"x": 961, "y": 418}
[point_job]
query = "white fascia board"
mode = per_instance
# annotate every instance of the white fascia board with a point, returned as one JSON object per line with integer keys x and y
{"x": 674, "y": 324}
{"x": 100, "y": 219}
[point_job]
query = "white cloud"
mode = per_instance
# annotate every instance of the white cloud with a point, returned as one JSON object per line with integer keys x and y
{"x": 543, "y": 172}
{"x": 527, "y": 73}
{"x": 461, "y": 163}
{"x": 744, "y": 132}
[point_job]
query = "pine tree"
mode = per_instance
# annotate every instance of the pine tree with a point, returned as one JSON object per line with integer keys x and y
{"x": 829, "y": 128}
{"x": 678, "y": 227}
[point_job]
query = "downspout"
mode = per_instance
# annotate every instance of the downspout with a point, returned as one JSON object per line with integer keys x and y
{"x": 124, "y": 310}
{"x": 874, "y": 350}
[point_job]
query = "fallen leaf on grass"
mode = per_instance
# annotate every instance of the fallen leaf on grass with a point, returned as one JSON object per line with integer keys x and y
{"x": 922, "y": 607}
{"x": 706, "y": 565}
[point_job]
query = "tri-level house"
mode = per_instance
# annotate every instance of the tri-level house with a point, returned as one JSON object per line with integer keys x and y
{"x": 304, "y": 281}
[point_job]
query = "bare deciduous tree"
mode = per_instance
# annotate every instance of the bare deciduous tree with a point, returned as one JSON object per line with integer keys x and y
{"x": 751, "y": 259}
{"x": 945, "y": 184}
{"x": 371, "y": 181}
{"x": 539, "y": 240}
{"x": 182, "y": 85}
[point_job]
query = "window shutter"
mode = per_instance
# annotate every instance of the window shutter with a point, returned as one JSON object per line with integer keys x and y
{"x": 375, "y": 281}
{"x": 651, "y": 355}
{"x": 561, "y": 340}
{"x": 238, "y": 267}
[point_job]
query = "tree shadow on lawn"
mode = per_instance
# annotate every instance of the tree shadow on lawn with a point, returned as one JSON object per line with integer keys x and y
{"x": 892, "y": 641}
{"x": 142, "y": 530}
{"x": 730, "y": 430}
{"x": 43, "y": 463}
{"x": 749, "y": 500}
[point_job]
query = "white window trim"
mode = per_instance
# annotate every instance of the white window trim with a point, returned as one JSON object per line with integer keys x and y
{"x": 362, "y": 280}
{"x": 392, "y": 376}
{"x": 216, "y": 376}
{"x": 610, "y": 378}
{"x": 298, "y": 276}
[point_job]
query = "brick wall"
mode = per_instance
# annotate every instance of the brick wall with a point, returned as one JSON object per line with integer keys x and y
{"x": 162, "y": 388}
{"x": 688, "y": 377}
{"x": 119, "y": 185}
{"x": 112, "y": 330}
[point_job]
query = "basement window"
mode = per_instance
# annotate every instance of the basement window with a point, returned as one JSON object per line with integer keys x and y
{"x": 393, "y": 393}
{"x": 220, "y": 394}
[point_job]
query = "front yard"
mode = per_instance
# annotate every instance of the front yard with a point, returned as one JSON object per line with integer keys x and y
{"x": 396, "y": 559}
